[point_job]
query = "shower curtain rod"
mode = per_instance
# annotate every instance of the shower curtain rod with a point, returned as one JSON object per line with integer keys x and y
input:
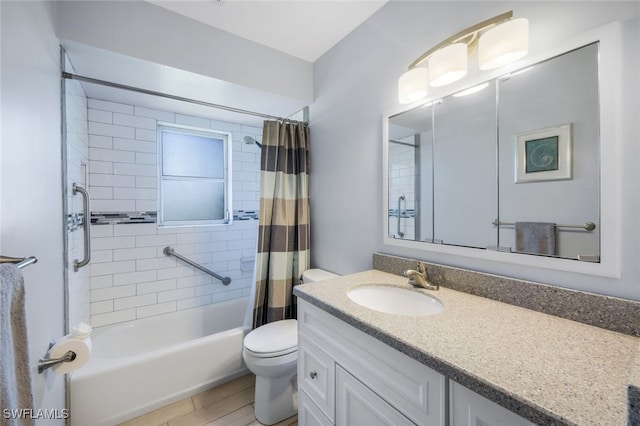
{"x": 174, "y": 97}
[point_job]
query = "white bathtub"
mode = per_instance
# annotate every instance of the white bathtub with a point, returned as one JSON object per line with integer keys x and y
{"x": 138, "y": 366}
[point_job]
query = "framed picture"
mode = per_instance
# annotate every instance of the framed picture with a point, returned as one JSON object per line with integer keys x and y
{"x": 544, "y": 155}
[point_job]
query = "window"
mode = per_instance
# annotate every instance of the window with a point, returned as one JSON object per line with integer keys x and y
{"x": 194, "y": 170}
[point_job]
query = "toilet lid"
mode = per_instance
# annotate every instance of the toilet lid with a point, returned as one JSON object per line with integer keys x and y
{"x": 273, "y": 339}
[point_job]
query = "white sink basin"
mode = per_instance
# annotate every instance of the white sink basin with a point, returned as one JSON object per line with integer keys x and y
{"x": 395, "y": 300}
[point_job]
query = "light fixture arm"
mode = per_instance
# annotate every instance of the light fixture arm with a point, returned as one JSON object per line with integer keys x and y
{"x": 471, "y": 33}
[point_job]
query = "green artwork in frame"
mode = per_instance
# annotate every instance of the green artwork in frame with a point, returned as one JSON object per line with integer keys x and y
{"x": 541, "y": 154}
{"x": 544, "y": 154}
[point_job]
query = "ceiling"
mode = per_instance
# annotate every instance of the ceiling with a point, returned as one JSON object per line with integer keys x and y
{"x": 305, "y": 29}
{"x": 312, "y": 28}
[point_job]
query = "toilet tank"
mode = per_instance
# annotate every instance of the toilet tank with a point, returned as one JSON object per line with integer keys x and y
{"x": 313, "y": 275}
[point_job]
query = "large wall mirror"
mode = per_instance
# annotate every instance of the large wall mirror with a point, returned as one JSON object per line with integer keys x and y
{"x": 513, "y": 166}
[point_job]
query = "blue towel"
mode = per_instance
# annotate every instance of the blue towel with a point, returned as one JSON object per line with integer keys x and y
{"x": 536, "y": 238}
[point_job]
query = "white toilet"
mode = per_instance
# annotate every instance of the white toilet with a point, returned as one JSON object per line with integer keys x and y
{"x": 271, "y": 353}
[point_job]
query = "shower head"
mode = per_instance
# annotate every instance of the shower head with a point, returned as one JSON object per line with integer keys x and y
{"x": 249, "y": 140}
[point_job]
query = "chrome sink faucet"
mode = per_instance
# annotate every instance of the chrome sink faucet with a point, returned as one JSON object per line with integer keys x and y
{"x": 420, "y": 278}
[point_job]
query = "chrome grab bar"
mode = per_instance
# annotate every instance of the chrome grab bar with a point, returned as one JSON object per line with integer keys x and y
{"x": 77, "y": 264}
{"x": 168, "y": 251}
{"x": 400, "y": 200}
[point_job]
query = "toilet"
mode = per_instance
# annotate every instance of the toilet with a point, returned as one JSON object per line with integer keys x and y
{"x": 271, "y": 353}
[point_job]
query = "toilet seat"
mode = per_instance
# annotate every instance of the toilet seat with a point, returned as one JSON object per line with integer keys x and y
{"x": 274, "y": 339}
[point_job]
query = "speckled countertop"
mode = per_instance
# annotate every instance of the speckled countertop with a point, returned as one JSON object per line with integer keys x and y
{"x": 547, "y": 369}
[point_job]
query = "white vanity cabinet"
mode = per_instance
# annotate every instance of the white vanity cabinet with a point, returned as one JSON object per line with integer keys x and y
{"x": 467, "y": 408}
{"x": 347, "y": 378}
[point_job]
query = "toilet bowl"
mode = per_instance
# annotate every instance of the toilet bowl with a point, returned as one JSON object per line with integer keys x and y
{"x": 271, "y": 353}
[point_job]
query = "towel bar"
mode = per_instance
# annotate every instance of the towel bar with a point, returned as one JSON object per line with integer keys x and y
{"x": 589, "y": 226}
{"x": 20, "y": 262}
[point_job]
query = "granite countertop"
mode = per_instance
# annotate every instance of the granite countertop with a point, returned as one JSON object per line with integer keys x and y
{"x": 547, "y": 369}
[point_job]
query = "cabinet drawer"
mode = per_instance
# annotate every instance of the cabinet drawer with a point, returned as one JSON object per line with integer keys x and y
{"x": 415, "y": 389}
{"x": 308, "y": 413}
{"x": 467, "y": 408}
{"x": 359, "y": 405}
{"x": 316, "y": 375}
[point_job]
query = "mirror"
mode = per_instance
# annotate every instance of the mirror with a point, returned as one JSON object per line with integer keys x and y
{"x": 410, "y": 152}
{"x": 514, "y": 166}
{"x": 465, "y": 192}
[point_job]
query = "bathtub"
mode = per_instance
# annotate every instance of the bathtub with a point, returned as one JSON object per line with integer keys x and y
{"x": 141, "y": 365}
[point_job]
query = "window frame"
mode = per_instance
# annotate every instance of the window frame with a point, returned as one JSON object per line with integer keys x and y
{"x": 227, "y": 138}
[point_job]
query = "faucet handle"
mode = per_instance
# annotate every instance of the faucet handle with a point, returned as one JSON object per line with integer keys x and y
{"x": 422, "y": 268}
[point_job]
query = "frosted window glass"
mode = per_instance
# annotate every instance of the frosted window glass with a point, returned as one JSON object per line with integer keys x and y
{"x": 192, "y": 155}
{"x": 192, "y": 200}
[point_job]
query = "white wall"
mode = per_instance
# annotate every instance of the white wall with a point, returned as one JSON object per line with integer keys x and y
{"x": 356, "y": 83}
{"x": 145, "y": 31}
{"x": 31, "y": 197}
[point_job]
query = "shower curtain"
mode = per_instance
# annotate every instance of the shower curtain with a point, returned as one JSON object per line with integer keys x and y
{"x": 283, "y": 230}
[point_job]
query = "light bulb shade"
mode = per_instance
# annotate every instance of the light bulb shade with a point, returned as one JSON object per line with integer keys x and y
{"x": 412, "y": 85}
{"x": 448, "y": 64}
{"x": 503, "y": 44}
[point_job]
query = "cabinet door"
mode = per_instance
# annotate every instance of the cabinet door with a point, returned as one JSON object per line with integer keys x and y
{"x": 316, "y": 375}
{"x": 411, "y": 387}
{"x": 308, "y": 413}
{"x": 356, "y": 404}
{"x": 467, "y": 408}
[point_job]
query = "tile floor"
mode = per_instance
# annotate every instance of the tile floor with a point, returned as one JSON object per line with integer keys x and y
{"x": 230, "y": 404}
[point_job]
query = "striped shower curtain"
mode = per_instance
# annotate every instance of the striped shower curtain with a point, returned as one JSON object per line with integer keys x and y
{"x": 283, "y": 232}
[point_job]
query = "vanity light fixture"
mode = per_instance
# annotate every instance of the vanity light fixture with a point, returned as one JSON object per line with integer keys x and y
{"x": 499, "y": 41}
{"x": 412, "y": 85}
{"x": 471, "y": 90}
{"x": 448, "y": 64}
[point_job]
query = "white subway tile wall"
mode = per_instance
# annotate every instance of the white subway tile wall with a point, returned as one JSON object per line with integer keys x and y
{"x": 130, "y": 277}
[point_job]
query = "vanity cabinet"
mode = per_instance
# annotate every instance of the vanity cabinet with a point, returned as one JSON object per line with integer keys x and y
{"x": 346, "y": 377}
{"x": 467, "y": 408}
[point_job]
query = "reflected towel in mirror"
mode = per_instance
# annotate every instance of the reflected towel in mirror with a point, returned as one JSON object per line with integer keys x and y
{"x": 536, "y": 237}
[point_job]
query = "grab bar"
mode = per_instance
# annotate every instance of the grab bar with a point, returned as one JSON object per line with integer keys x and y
{"x": 77, "y": 264}
{"x": 400, "y": 200}
{"x": 20, "y": 262}
{"x": 168, "y": 251}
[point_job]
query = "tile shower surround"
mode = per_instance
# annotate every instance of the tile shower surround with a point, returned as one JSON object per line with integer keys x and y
{"x": 130, "y": 277}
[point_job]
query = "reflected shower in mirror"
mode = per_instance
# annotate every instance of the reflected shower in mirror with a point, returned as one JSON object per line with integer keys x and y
{"x": 410, "y": 179}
